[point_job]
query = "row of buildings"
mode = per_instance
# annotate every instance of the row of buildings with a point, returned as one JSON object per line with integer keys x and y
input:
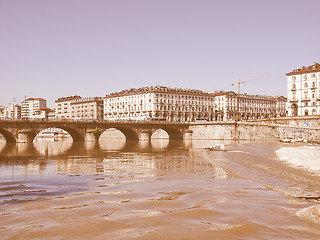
{"x": 154, "y": 104}
{"x": 182, "y": 105}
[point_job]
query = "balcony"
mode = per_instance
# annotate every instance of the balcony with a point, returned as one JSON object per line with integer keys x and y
{"x": 293, "y": 100}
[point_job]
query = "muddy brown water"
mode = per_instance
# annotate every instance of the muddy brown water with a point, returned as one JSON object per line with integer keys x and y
{"x": 158, "y": 190}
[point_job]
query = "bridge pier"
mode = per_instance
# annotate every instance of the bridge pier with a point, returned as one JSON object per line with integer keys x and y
{"x": 25, "y": 136}
{"x": 187, "y": 134}
{"x": 145, "y": 135}
{"x": 92, "y": 135}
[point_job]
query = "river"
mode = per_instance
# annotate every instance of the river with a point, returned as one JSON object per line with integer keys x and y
{"x": 159, "y": 190}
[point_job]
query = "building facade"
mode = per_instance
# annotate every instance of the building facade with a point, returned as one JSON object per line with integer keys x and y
{"x": 159, "y": 103}
{"x": 11, "y": 112}
{"x": 43, "y": 113}
{"x": 87, "y": 108}
{"x": 226, "y": 105}
{"x": 78, "y": 108}
{"x": 63, "y": 107}
{"x": 303, "y": 86}
{"x": 1, "y": 112}
{"x": 31, "y": 106}
{"x": 231, "y": 106}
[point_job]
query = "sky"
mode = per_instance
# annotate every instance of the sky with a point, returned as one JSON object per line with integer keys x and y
{"x": 58, "y": 48}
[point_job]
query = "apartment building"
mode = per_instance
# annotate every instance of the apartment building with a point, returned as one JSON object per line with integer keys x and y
{"x": 90, "y": 108}
{"x": 63, "y": 107}
{"x": 303, "y": 86}
{"x": 78, "y": 108}
{"x": 230, "y": 106}
{"x": 31, "y": 106}
{"x": 10, "y": 112}
{"x": 43, "y": 113}
{"x": 159, "y": 103}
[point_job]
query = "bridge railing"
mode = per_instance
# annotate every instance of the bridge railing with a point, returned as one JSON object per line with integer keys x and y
{"x": 91, "y": 121}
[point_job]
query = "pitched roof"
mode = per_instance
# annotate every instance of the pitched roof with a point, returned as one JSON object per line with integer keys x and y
{"x": 309, "y": 69}
{"x": 45, "y": 109}
{"x": 31, "y": 99}
{"x": 221, "y": 93}
{"x": 156, "y": 89}
{"x": 64, "y": 99}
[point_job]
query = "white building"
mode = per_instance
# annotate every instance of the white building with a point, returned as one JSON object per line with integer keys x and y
{"x": 78, "y": 108}
{"x": 230, "y": 106}
{"x": 31, "y": 106}
{"x": 159, "y": 103}
{"x": 303, "y": 85}
{"x": 226, "y": 105}
{"x": 87, "y": 108}
{"x": 63, "y": 107}
{"x": 11, "y": 112}
{"x": 43, "y": 113}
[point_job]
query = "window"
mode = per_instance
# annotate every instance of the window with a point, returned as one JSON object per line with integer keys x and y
{"x": 305, "y": 84}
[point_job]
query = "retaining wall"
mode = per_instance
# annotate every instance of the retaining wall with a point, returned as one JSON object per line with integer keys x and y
{"x": 253, "y": 131}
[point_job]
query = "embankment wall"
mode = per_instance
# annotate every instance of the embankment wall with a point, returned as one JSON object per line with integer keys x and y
{"x": 253, "y": 131}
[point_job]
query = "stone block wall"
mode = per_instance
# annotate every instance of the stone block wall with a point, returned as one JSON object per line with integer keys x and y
{"x": 253, "y": 131}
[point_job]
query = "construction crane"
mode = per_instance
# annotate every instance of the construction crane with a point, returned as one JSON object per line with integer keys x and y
{"x": 249, "y": 80}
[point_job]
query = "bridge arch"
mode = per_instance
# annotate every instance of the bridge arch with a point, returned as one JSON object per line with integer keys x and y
{"x": 159, "y": 134}
{"x": 74, "y": 133}
{"x": 8, "y": 135}
{"x": 173, "y": 133}
{"x": 129, "y": 133}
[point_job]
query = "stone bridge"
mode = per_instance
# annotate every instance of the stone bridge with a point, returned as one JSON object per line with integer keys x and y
{"x": 27, "y": 130}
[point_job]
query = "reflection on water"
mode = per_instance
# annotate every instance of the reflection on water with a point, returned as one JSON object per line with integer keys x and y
{"x": 118, "y": 189}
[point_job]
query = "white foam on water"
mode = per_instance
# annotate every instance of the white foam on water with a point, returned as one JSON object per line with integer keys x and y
{"x": 307, "y": 157}
{"x": 311, "y": 213}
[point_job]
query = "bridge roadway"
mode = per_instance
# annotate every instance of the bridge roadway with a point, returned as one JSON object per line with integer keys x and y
{"x": 27, "y": 130}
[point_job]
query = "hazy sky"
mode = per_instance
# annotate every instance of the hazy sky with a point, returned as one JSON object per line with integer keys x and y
{"x": 55, "y": 48}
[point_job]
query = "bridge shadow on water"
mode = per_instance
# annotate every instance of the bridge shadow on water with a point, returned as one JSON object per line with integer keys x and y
{"x": 48, "y": 148}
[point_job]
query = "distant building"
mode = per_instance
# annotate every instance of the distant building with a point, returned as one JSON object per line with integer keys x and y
{"x": 1, "y": 112}
{"x": 87, "y": 108}
{"x": 52, "y": 115}
{"x": 230, "y": 106}
{"x": 281, "y": 106}
{"x": 159, "y": 103}
{"x": 31, "y": 106}
{"x": 63, "y": 107}
{"x": 226, "y": 107}
{"x": 78, "y": 108}
{"x": 10, "y": 112}
{"x": 304, "y": 91}
{"x": 43, "y": 113}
